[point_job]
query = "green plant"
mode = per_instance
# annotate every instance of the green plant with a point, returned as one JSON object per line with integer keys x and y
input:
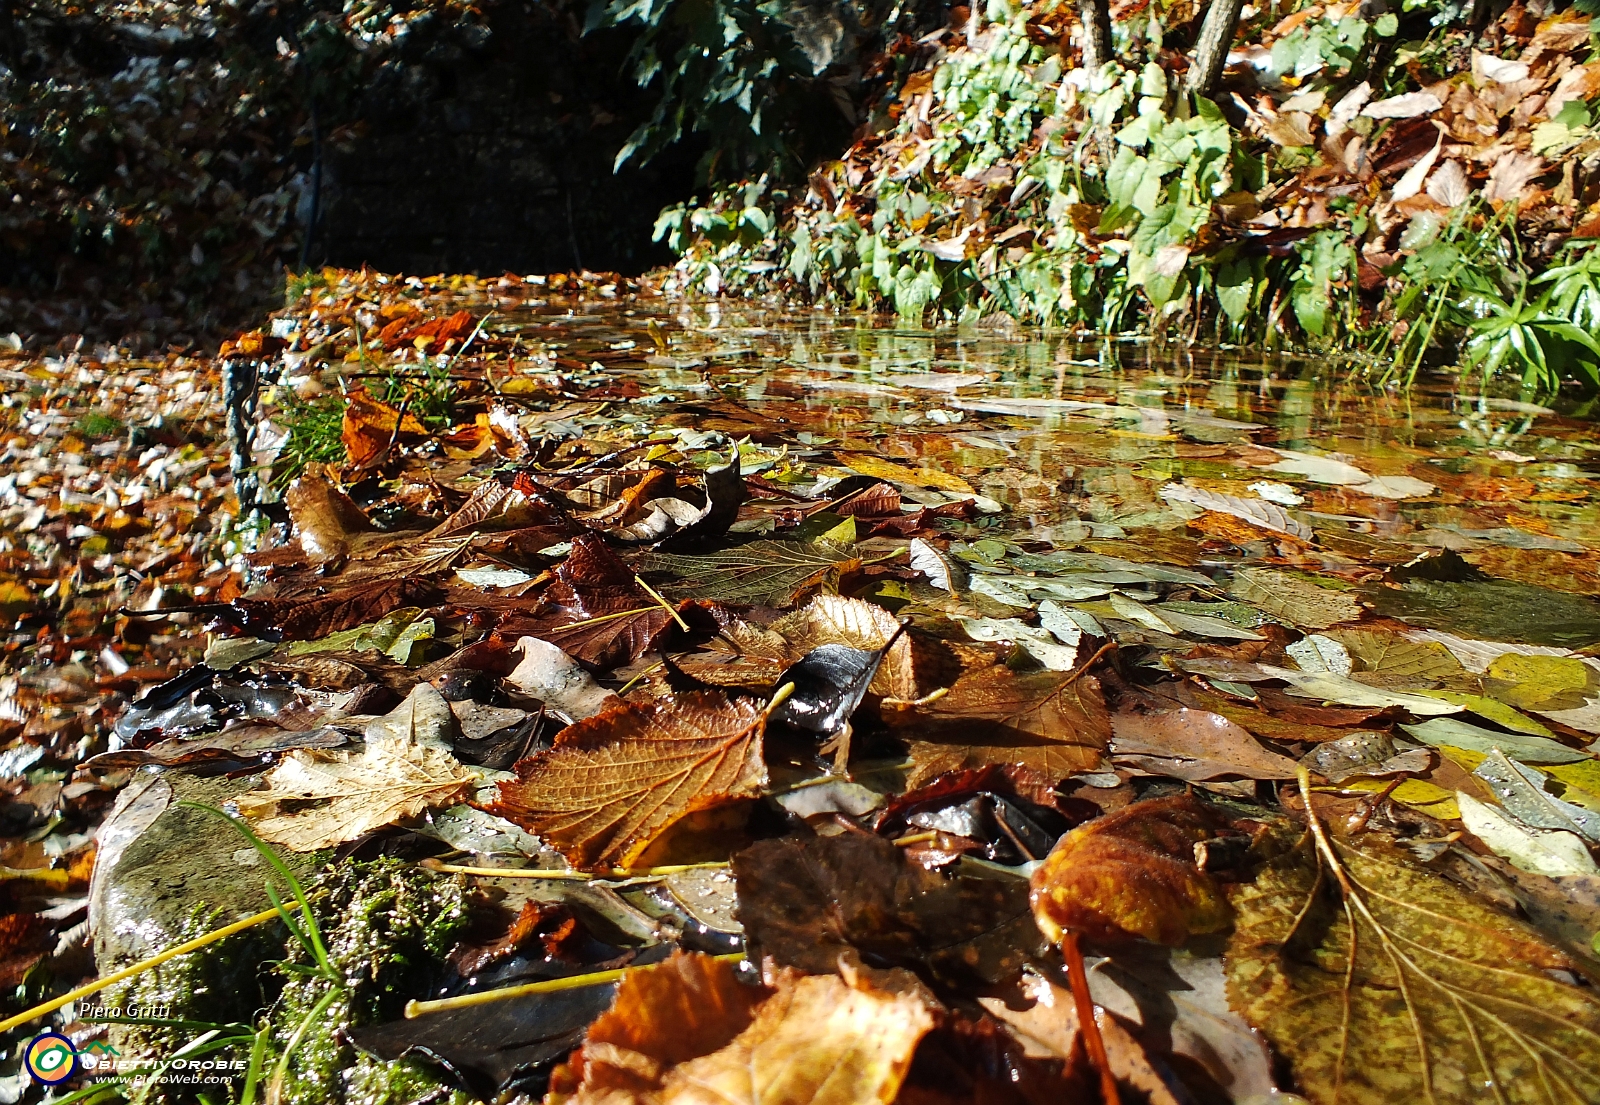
{"x": 1524, "y": 335}
{"x": 315, "y": 428}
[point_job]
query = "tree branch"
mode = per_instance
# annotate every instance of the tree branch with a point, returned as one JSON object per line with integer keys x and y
{"x": 1211, "y": 51}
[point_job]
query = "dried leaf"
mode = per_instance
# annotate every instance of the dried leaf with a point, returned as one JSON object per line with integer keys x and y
{"x": 1552, "y": 852}
{"x": 1398, "y": 659}
{"x": 325, "y": 519}
{"x": 1460, "y": 734}
{"x": 682, "y": 1009}
{"x": 816, "y": 1041}
{"x": 315, "y": 800}
{"x": 1381, "y": 982}
{"x": 616, "y": 781}
{"x": 1132, "y": 875}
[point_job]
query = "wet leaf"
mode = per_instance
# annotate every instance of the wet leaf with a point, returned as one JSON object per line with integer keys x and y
{"x": 861, "y": 625}
{"x": 942, "y": 570}
{"x": 829, "y": 683}
{"x": 616, "y": 781}
{"x": 1382, "y": 982}
{"x": 1460, "y": 734}
{"x": 776, "y": 573}
{"x": 807, "y": 902}
{"x": 326, "y": 520}
{"x": 1333, "y": 688}
{"x": 1293, "y": 599}
{"x": 315, "y": 800}
{"x": 1132, "y": 875}
{"x": 1258, "y": 512}
{"x": 1552, "y": 852}
{"x": 877, "y": 468}
{"x": 556, "y": 679}
{"x": 1399, "y": 660}
{"x": 1496, "y": 610}
{"x": 1541, "y": 683}
{"x": 1051, "y": 722}
{"x": 1520, "y": 790}
{"x": 1194, "y": 745}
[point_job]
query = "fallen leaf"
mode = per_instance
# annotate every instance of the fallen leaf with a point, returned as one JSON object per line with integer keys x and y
{"x": 1258, "y": 512}
{"x": 1050, "y": 722}
{"x": 806, "y": 902}
{"x": 556, "y": 679}
{"x": 1397, "y": 659}
{"x": 1552, "y": 852}
{"x": 325, "y": 519}
{"x": 372, "y": 427}
{"x": 1333, "y": 688}
{"x": 1541, "y": 683}
{"x": 776, "y": 573}
{"x": 1131, "y": 875}
{"x": 1193, "y": 745}
{"x": 1406, "y": 106}
{"x": 1293, "y": 599}
{"x": 315, "y": 800}
{"x": 686, "y": 1007}
{"x": 1382, "y": 982}
{"x": 616, "y": 781}
{"x": 816, "y": 1041}
{"x": 1460, "y": 734}
{"x": 879, "y": 469}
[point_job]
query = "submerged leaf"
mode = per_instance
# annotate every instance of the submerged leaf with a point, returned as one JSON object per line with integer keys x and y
{"x": 1384, "y": 983}
{"x": 807, "y": 902}
{"x": 1051, "y": 722}
{"x": 1293, "y": 599}
{"x": 773, "y": 572}
{"x": 616, "y": 781}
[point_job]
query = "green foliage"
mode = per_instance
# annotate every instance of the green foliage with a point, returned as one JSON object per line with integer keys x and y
{"x": 759, "y": 81}
{"x": 315, "y": 429}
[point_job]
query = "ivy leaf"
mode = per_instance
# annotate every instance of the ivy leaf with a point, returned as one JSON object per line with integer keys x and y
{"x": 776, "y": 573}
{"x": 1382, "y": 982}
{"x": 615, "y": 782}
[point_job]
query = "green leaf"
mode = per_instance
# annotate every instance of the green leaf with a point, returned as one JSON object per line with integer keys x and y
{"x": 776, "y": 573}
{"x": 1384, "y": 983}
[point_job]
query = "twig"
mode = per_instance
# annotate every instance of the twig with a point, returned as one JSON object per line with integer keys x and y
{"x": 549, "y": 986}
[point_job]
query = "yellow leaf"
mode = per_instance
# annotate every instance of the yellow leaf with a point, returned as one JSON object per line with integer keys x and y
{"x": 1490, "y": 710}
{"x": 880, "y": 469}
{"x": 1419, "y": 794}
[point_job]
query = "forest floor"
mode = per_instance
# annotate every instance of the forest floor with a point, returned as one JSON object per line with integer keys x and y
{"x": 850, "y": 679}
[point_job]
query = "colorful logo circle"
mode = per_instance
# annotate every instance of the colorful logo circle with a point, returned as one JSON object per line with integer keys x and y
{"x": 51, "y": 1058}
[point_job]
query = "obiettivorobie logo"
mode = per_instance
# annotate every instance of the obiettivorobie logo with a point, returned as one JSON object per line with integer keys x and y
{"x": 50, "y": 1058}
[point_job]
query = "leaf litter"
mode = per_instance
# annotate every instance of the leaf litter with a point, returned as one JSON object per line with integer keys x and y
{"x": 578, "y": 647}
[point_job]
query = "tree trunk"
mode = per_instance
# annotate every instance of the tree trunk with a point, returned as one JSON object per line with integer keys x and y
{"x": 1096, "y": 17}
{"x": 1211, "y": 51}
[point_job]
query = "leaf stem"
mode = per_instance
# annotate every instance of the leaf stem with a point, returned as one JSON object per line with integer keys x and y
{"x": 665, "y": 605}
{"x": 1088, "y": 1027}
{"x": 548, "y": 986}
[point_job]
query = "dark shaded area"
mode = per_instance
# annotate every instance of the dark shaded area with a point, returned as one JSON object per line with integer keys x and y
{"x": 497, "y": 155}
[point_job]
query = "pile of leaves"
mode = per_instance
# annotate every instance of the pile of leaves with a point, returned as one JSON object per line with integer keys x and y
{"x": 840, "y": 687}
{"x": 1405, "y": 187}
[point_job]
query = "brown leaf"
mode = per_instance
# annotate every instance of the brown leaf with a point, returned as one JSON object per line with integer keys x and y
{"x": 1193, "y": 745}
{"x": 835, "y": 620}
{"x": 816, "y": 1041}
{"x": 549, "y": 926}
{"x": 593, "y": 583}
{"x": 1132, "y": 875}
{"x": 1049, "y": 1029}
{"x": 810, "y": 902}
{"x": 1297, "y": 601}
{"x": 25, "y": 938}
{"x": 326, "y": 520}
{"x": 1049, "y": 721}
{"x": 615, "y": 782}
{"x": 682, "y": 1009}
{"x": 308, "y": 618}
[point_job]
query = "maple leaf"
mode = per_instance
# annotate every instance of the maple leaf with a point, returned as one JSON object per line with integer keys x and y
{"x": 315, "y": 800}
{"x": 615, "y": 782}
{"x": 1052, "y": 722}
{"x": 1382, "y": 982}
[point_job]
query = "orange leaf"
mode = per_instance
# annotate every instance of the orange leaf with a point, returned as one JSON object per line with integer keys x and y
{"x": 1132, "y": 875}
{"x": 615, "y": 782}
